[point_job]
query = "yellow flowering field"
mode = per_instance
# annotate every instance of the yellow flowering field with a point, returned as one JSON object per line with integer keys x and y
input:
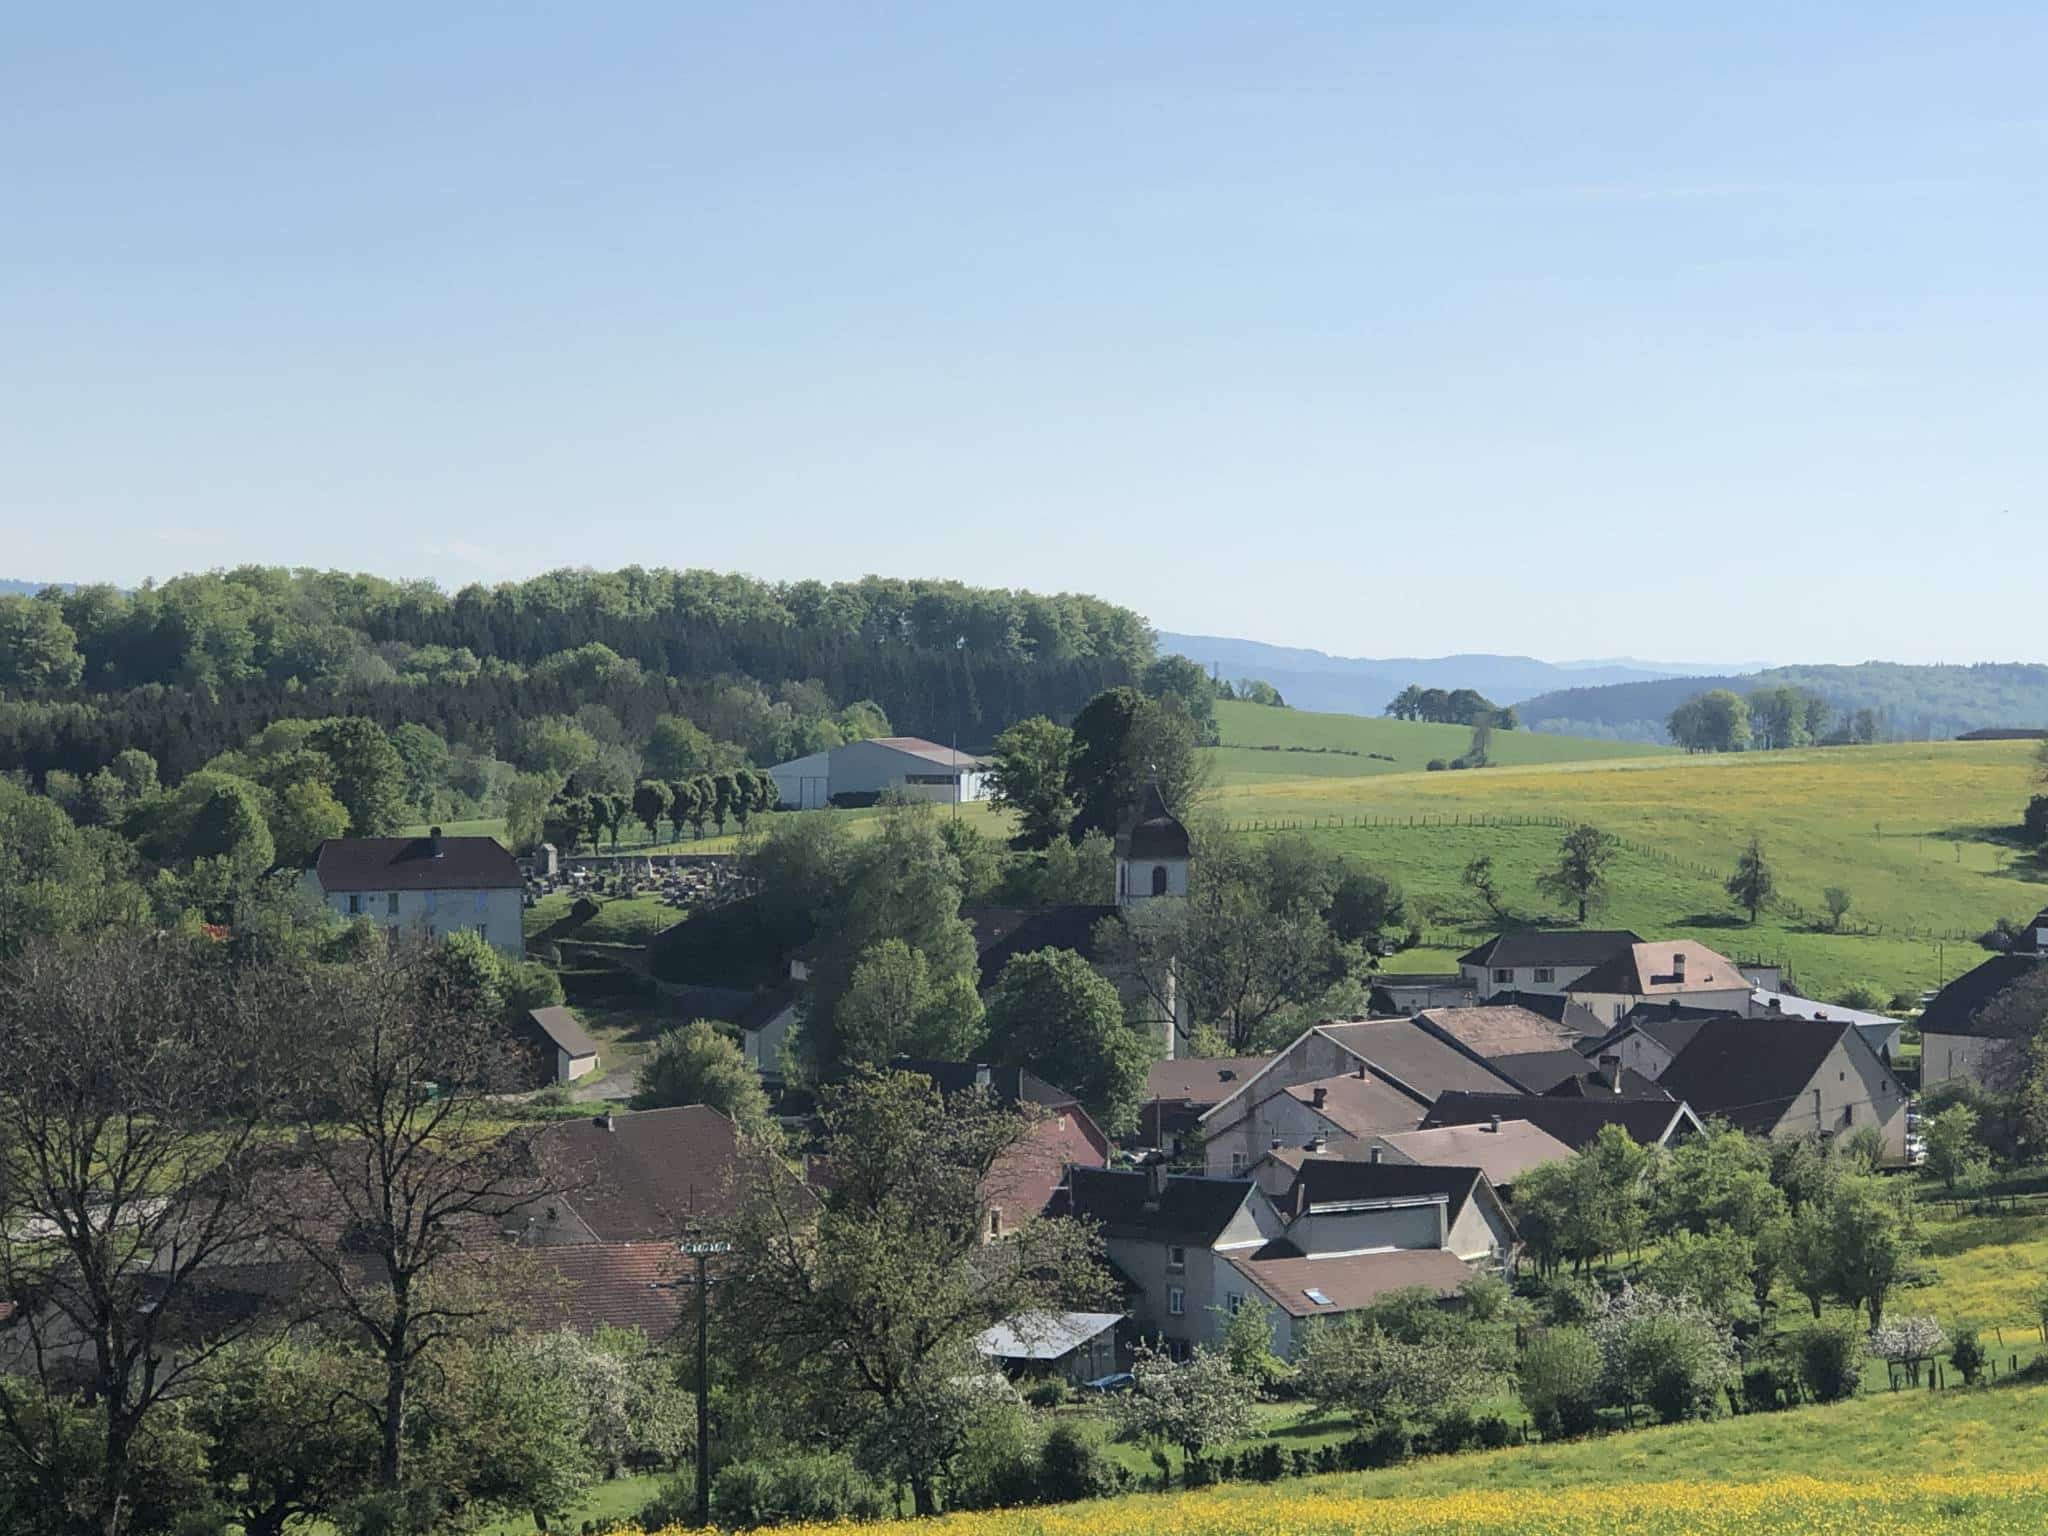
{"x": 1790, "y": 1506}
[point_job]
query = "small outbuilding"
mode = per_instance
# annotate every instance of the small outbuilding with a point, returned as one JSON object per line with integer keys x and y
{"x": 566, "y": 1050}
{"x": 1075, "y": 1347}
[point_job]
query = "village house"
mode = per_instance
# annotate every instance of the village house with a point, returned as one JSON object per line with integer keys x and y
{"x": 1503, "y": 1150}
{"x": 1400, "y": 1055}
{"x": 1574, "y": 1121}
{"x": 1540, "y": 960}
{"x": 1180, "y": 1090}
{"x": 648, "y": 1175}
{"x": 1963, "y": 1033}
{"x": 1673, "y": 970}
{"x": 1790, "y": 1077}
{"x": 424, "y": 887}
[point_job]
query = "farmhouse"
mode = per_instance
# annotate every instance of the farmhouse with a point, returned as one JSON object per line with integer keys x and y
{"x": 1573, "y": 1121}
{"x": 1541, "y": 960}
{"x": 1962, "y": 1031}
{"x": 426, "y": 887}
{"x": 1789, "y": 1077}
{"x": 861, "y": 771}
{"x": 1676, "y": 970}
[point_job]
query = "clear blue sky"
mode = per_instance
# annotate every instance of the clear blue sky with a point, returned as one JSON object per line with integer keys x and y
{"x": 1703, "y": 332}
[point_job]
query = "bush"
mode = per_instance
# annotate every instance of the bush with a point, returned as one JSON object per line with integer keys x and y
{"x": 1861, "y": 996}
{"x": 1271, "y": 1467}
{"x": 1000, "y": 1465}
{"x": 1765, "y": 1388}
{"x": 1967, "y": 1355}
{"x": 1831, "y": 1360}
{"x": 1572, "y": 1302}
{"x": 1561, "y": 1382}
{"x": 1456, "y": 1431}
{"x": 1071, "y": 1468}
{"x": 1049, "y": 1393}
{"x": 1436, "y": 765}
{"x": 2035, "y": 822}
{"x": 1494, "y": 1432}
{"x": 1385, "y": 1446}
{"x": 780, "y": 1490}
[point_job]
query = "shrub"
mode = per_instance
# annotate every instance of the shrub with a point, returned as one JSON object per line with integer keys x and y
{"x": 1300, "y": 1462}
{"x": 1494, "y": 1432}
{"x": 1665, "y": 1351}
{"x": 1967, "y": 1355}
{"x": 1436, "y": 765}
{"x": 1271, "y": 1466}
{"x": 1764, "y": 1388}
{"x": 1572, "y": 1302}
{"x": 1455, "y": 1431}
{"x": 798, "y": 1487}
{"x": 1046, "y": 1394}
{"x": 1862, "y": 996}
{"x": 1386, "y": 1446}
{"x": 2035, "y": 822}
{"x": 1000, "y": 1464}
{"x": 1561, "y": 1382}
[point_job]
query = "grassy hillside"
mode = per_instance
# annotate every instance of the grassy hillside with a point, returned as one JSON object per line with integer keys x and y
{"x": 1261, "y": 744}
{"x": 1914, "y": 833}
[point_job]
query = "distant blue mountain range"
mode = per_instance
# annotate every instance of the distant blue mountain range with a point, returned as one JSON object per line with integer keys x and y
{"x": 1362, "y": 685}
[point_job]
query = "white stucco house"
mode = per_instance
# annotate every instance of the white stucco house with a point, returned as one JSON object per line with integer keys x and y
{"x": 1963, "y": 1031}
{"x": 427, "y": 887}
{"x": 908, "y": 765}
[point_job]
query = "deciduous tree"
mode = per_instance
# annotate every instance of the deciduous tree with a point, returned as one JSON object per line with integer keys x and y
{"x": 1580, "y": 875}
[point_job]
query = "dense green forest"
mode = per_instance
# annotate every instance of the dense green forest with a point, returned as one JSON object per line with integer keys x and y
{"x": 199, "y": 665}
{"x": 1910, "y": 703}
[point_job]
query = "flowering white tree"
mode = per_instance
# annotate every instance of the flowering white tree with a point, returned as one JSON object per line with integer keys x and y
{"x": 1907, "y": 1341}
{"x": 1195, "y": 1406}
{"x": 1664, "y": 1350}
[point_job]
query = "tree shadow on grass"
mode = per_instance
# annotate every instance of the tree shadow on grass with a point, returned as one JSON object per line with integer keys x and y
{"x": 1714, "y": 920}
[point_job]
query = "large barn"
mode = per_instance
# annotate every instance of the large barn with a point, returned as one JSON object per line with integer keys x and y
{"x": 862, "y": 770}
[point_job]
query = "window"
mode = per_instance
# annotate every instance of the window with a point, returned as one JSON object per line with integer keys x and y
{"x": 1503, "y": 974}
{"x": 433, "y": 902}
{"x": 1545, "y": 973}
{"x": 391, "y": 903}
{"x": 1158, "y": 879}
{"x": 1176, "y": 1256}
{"x": 1237, "y": 1162}
{"x": 355, "y": 904}
{"x": 481, "y": 903}
{"x": 995, "y": 1221}
{"x": 1848, "y": 1114}
{"x": 1318, "y": 1297}
{"x": 1234, "y": 1303}
{"x": 1176, "y": 1301}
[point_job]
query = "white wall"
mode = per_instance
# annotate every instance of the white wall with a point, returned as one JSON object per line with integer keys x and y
{"x": 1609, "y": 1007}
{"x": 433, "y": 915}
{"x": 1522, "y": 978}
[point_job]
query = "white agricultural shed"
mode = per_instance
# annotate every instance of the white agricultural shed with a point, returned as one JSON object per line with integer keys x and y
{"x": 909, "y": 765}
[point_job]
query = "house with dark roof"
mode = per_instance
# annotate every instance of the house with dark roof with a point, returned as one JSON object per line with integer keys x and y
{"x": 1179, "y": 1090}
{"x": 1679, "y": 970}
{"x": 1171, "y": 1237}
{"x": 423, "y": 887}
{"x": 1963, "y": 1031}
{"x": 648, "y": 1175}
{"x": 1063, "y": 1136}
{"x": 1790, "y": 1077}
{"x": 1540, "y": 960}
{"x": 1573, "y": 1121}
{"x": 1401, "y": 1064}
{"x": 1347, "y": 1205}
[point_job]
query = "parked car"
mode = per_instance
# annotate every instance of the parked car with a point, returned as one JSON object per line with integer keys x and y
{"x": 1121, "y": 1381}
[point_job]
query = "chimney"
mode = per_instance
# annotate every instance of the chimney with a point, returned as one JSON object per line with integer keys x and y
{"x": 1611, "y": 1065}
{"x": 1493, "y": 1124}
{"x": 604, "y": 1121}
{"x": 1322, "y": 1097}
{"x": 1378, "y": 1152}
{"x": 1361, "y": 1070}
{"x": 1319, "y": 1144}
{"x": 1776, "y": 1005}
{"x": 1155, "y": 1181}
{"x": 1678, "y": 966}
{"x": 1276, "y": 1145}
{"x": 433, "y": 842}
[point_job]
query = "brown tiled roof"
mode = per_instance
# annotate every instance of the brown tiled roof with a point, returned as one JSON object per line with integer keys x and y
{"x": 1360, "y": 1105}
{"x": 1650, "y": 970}
{"x": 618, "y": 1285}
{"x": 1503, "y": 1155}
{"x": 1352, "y": 1282}
{"x": 655, "y": 1173}
{"x": 1493, "y": 1031}
{"x": 411, "y": 864}
{"x": 1403, "y": 1051}
{"x": 1200, "y": 1080}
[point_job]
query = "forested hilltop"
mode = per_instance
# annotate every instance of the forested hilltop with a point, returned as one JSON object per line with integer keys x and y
{"x": 1911, "y": 703}
{"x": 199, "y": 665}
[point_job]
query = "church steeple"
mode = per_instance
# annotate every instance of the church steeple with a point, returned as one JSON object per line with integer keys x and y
{"x": 1152, "y": 851}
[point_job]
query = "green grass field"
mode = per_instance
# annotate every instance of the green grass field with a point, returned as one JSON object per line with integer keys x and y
{"x": 1915, "y": 833}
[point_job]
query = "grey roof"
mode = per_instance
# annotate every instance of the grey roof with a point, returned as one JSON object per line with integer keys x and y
{"x": 1200, "y": 1080}
{"x": 415, "y": 864}
{"x": 1551, "y": 946}
{"x": 561, "y": 1026}
{"x": 1541, "y": 1071}
{"x": 1326, "y": 1181}
{"x": 1959, "y": 1007}
{"x": 1003, "y": 933}
{"x": 1155, "y": 832}
{"x": 1043, "y": 1335}
{"x": 930, "y": 751}
{"x": 1406, "y": 1053}
{"x": 1749, "y": 1072}
{"x": 1503, "y": 1153}
{"x": 1189, "y": 1210}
